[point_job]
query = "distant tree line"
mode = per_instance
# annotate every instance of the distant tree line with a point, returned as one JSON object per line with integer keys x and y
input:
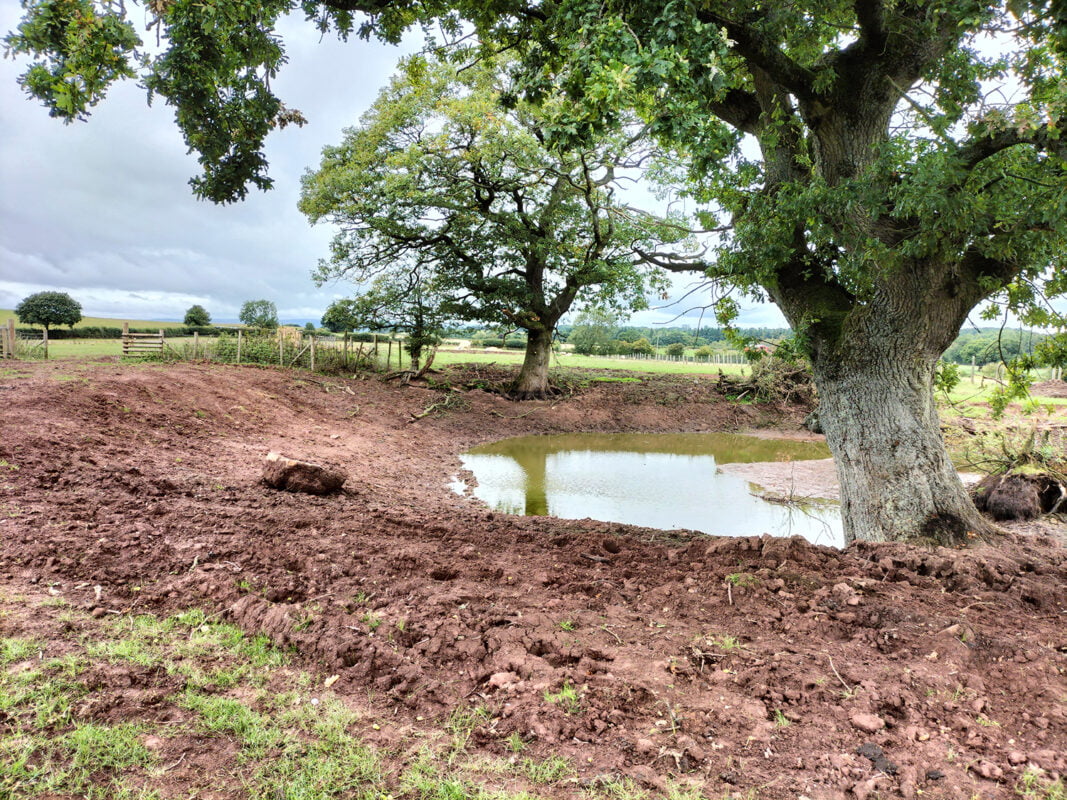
{"x": 990, "y": 345}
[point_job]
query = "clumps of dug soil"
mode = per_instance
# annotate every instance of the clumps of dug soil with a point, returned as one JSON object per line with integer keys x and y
{"x": 1016, "y": 496}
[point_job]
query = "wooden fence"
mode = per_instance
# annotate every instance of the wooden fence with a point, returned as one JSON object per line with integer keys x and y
{"x": 20, "y": 344}
{"x": 141, "y": 344}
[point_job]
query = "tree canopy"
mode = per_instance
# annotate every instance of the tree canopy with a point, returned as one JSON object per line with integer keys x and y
{"x": 48, "y": 309}
{"x": 197, "y": 316}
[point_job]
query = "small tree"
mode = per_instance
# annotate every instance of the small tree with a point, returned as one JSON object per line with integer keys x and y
{"x": 643, "y": 347}
{"x": 593, "y": 332}
{"x": 342, "y": 316}
{"x": 49, "y": 308}
{"x": 259, "y": 314}
{"x": 675, "y": 349}
{"x": 197, "y": 317}
{"x": 403, "y": 298}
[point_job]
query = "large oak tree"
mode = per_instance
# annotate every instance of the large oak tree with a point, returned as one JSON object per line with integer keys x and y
{"x": 907, "y": 165}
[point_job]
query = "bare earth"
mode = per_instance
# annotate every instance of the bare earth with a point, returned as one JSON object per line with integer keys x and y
{"x": 145, "y": 480}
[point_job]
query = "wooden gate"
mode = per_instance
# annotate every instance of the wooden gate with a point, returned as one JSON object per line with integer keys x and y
{"x": 141, "y": 344}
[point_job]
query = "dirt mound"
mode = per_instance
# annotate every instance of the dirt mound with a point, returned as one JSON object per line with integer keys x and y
{"x": 1049, "y": 389}
{"x": 750, "y": 663}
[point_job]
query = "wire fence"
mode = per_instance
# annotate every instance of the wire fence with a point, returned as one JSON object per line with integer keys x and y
{"x": 289, "y": 349}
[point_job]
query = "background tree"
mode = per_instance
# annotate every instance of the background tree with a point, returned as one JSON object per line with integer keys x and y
{"x": 342, "y": 316}
{"x": 197, "y": 317}
{"x": 593, "y": 332}
{"x": 259, "y": 314}
{"x": 48, "y": 309}
{"x": 439, "y": 172}
{"x": 404, "y": 298}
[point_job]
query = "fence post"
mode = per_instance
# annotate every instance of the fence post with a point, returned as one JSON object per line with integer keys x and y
{"x": 10, "y": 339}
{"x": 388, "y": 355}
{"x": 281, "y": 349}
{"x": 44, "y": 340}
{"x": 125, "y": 338}
{"x": 196, "y": 344}
{"x": 344, "y": 351}
{"x": 312, "y": 352}
{"x": 239, "y": 345}
{"x": 972, "y": 369}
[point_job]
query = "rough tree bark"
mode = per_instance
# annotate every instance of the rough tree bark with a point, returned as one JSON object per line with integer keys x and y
{"x": 532, "y": 381}
{"x": 874, "y": 365}
{"x": 878, "y": 413}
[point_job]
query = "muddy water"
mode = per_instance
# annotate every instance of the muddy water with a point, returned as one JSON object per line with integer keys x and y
{"x": 665, "y": 481}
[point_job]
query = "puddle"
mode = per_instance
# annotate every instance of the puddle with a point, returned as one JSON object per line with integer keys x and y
{"x": 666, "y": 481}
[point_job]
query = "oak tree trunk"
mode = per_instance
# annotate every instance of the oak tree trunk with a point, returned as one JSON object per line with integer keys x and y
{"x": 532, "y": 380}
{"x": 877, "y": 409}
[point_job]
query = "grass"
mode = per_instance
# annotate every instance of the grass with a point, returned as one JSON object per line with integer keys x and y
{"x": 100, "y": 322}
{"x": 728, "y": 644}
{"x": 568, "y": 698}
{"x": 1034, "y": 785}
{"x": 510, "y": 357}
{"x": 273, "y": 732}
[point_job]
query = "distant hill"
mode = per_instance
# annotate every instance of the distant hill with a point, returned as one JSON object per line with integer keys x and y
{"x": 116, "y": 322}
{"x": 112, "y": 322}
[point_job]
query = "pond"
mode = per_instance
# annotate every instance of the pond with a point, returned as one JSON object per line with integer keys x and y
{"x": 666, "y": 481}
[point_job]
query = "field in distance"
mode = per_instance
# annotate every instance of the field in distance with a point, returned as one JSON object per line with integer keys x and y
{"x": 101, "y": 322}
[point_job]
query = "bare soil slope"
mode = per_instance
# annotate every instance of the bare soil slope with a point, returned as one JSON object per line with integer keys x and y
{"x": 754, "y": 663}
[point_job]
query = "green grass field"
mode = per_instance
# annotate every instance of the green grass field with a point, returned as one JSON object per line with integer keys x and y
{"x": 102, "y": 322}
{"x": 514, "y": 357}
{"x": 970, "y": 396}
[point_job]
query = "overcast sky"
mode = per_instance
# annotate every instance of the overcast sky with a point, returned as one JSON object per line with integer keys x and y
{"x": 103, "y": 210}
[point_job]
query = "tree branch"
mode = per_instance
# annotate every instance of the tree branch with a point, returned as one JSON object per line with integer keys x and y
{"x": 672, "y": 262}
{"x": 761, "y": 51}
{"x": 738, "y": 108}
{"x": 979, "y": 149}
{"x": 871, "y": 17}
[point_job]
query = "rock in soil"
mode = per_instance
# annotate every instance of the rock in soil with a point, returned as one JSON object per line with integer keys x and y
{"x": 293, "y": 475}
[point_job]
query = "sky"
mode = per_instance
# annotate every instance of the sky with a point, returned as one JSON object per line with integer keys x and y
{"x": 103, "y": 210}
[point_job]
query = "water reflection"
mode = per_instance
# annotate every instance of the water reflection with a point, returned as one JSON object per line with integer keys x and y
{"x": 665, "y": 481}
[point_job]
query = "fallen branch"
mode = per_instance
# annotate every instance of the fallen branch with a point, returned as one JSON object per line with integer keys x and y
{"x": 598, "y": 559}
{"x": 440, "y": 405}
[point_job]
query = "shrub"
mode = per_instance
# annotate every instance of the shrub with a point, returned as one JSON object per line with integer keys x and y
{"x": 676, "y": 349}
{"x": 643, "y": 347}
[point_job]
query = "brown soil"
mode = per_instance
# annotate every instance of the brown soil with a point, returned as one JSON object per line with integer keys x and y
{"x": 1049, "y": 389}
{"x": 899, "y": 670}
